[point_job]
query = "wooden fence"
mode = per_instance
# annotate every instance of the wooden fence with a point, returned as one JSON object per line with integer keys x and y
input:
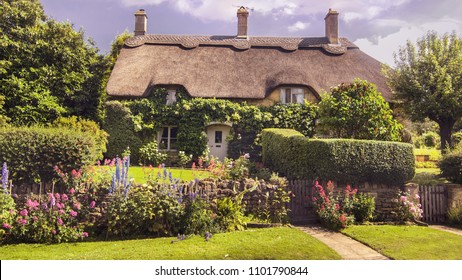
{"x": 434, "y": 201}
{"x": 301, "y": 204}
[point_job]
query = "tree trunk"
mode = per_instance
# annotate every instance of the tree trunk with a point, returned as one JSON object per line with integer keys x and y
{"x": 446, "y": 127}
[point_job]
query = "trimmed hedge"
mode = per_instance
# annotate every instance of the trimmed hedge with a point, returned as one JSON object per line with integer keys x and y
{"x": 344, "y": 160}
{"x": 32, "y": 152}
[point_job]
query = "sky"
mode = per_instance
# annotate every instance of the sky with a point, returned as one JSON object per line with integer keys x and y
{"x": 377, "y": 27}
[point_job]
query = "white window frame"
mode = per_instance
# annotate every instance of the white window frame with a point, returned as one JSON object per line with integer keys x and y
{"x": 169, "y": 138}
{"x": 294, "y": 94}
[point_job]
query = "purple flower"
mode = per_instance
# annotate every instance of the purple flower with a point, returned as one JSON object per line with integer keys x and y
{"x": 60, "y": 205}
{"x": 92, "y": 204}
{"x": 6, "y": 225}
{"x": 58, "y": 197}
{"x": 23, "y": 221}
{"x": 64, "y": 197}
{"x": 44, "y": 206}
{"x": 61, "y": 212}
{"x": 60, "y": 222}
{"x": 73, "y": 213}
{"x": 85, "y": 234}
{"x": 24, "y": 212}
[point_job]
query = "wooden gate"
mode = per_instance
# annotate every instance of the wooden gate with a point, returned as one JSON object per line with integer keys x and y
{"x": 301, "y": 204}
{"x": 434, "y": 200}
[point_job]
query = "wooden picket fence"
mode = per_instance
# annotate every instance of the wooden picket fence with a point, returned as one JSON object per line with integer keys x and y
{"x": 434, "y": 201}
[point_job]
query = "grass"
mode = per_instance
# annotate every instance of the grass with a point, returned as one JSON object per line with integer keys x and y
{"x": 409, "y": 242}
{"x": 281, "y": 243}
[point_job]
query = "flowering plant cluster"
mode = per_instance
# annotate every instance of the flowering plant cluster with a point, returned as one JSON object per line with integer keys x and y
{"x": 329, "y": 208}
{"x": 407, "y": 207}
{"x": 59, "y": 218}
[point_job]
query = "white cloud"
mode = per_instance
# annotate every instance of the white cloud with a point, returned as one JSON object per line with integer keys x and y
{"x": 298, "y": 26}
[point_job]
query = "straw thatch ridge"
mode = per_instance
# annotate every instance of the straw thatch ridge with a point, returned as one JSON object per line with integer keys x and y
{"x": 226, "y": 67}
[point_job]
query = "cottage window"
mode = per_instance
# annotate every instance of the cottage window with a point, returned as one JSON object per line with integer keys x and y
{"x": 171, "y": 97}
{"x": 168, "y": 138}
{"x": 292, "y": 95}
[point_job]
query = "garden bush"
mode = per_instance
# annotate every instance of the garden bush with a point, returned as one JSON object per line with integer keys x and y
{"x": 455, "y": 215}
{"x": 32, "y": 152}
{"x": 199, "y": 218}
{"x": 406, "y": 207}
{"x": 150, "y": 155}
{"x": 451, "y": 166}
{"x": 361, "y": 206}
{"x": 344, "y": 160}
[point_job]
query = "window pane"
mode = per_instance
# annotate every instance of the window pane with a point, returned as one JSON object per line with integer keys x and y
{"x": 288, "y": 95}
{"x": 173, "y": 132}
{"x": 218, "y": 137}
{"x": 299, "y": 98}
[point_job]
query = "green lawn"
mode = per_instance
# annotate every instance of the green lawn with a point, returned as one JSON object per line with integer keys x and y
{"x": 409, "y": 242}
{"x": 254, "y": 244}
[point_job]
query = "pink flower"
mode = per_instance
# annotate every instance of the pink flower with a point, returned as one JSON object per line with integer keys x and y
{"x": 60, "y": 222}
{"x": 7, "y": 226}
{"x": 73, "y": 213}
{"x": 61, "y": 212}
{"x": 412, "y": 210}
{"x": 23, "y": 213}
{"x": 11, "y": 211}
{"x": 77, "y": 205}
{"x": 32, "y": 204}
{"x": 35, "y": 218}
{"x": 92, "y": 204}
{"x": 58, "y": 197}
{"x": 60, "y": 205}
{"x": 53, "y": 231}
{"x": 403, "y": 198}
{"x": 72, "y": 191}
{"x": 64, "y": 197}
{"x": 23, "y": 221}
{"x": 85, "y": 234}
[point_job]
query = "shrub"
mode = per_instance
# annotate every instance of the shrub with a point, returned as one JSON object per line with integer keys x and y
{"x": 456, "y": 138}
{"x": 361, "y": 206}
{"x": 455, "y": 215}
{"x": 230, "y": 214}
{"x": 198, "y": 217}
{"x": 406, "y": 207}
{"x": 328, "y": 207}
{"x": 451, "y": 166}
{"x": 7, "y": 213}
{"x": 33, "y": 152}
{"x": 120, "y": 126}
{"x": 344, "y": 160}
{"x": 89, "y": 126}
{"x": 358, "y": 111}
{"x": 431, "y": 139}
{"x": 150, "y": 155}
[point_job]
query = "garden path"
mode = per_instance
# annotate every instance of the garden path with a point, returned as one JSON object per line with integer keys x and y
{"x": 448, "y": 229}
{"x": 346, "y": 247}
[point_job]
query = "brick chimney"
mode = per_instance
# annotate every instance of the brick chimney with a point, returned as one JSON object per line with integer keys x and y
{"x": 331, "y": 20}
{"x": 141, "y": 22}
{"x": 242, "y": 15}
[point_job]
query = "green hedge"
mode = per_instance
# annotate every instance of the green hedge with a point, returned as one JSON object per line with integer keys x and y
{"x": 451, "y": 166}
{"x": 32, "y": 152}
{"x": 345, "y": 160}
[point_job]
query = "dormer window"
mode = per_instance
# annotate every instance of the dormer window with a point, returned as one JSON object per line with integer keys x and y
{"x": 292, "y": 95}
{"x": 171, "y": 97}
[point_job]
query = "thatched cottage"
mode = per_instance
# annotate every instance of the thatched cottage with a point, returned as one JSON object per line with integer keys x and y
{"x": 259, "y": 70}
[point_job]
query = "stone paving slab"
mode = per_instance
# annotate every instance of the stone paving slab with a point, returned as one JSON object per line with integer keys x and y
{"x": 346, "y": 247}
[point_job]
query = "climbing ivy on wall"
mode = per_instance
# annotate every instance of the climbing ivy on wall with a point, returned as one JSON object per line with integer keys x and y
{"x": 191, "y": 115}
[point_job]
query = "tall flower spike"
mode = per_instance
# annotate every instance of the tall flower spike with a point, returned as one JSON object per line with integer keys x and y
{"x": 4, "y": 177}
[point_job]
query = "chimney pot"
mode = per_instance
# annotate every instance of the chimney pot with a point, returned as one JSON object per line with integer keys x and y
{"x": 331, "y": 20}
{"x": 141, "y": 22}
{"x": 242, "y": 15}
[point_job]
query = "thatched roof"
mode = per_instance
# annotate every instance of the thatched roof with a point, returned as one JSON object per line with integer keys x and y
{"x": 227, "y": 67}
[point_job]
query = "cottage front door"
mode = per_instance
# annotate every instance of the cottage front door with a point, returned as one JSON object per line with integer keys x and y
{"x": 216, "y": 138}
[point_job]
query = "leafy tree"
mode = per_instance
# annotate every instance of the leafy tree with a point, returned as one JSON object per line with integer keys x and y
{"x": 47, "y": 69}
{"x": 358, "y": 111}
{"x": 427, "y": 80}
{"x": 3, "y": 119}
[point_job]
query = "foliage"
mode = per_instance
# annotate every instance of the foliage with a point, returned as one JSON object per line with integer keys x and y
{"x": 3, "y": 119}
{"x": 48, "y": 69}
{"x": 455, "y": 215}
{"x": 431, "y": 139}
{"x": 60, "y": 218}
{"x": 328, "y": 207}
{"x": 344, "y": 160}
{"x": 239, "y": 168}
{"x": 150, "y": 155}
{"x": 184, "y": 159}
{"x": 7, "y": 213}
{"x": 406, "y": 207}
{"x": 451, "y": 166}
{"x": 32, "y": 153}
{"x": 83, "y": 125}
{"x": 198, "y": 217}
{"x": 457, "y": 138}
{"x": 273, "y": 208}
{"x": 361, "y": 206}
{"x": 427, "y": 81}
{"x": 230, "y": 214}
{"x": 120, "y": 126}
{"x": 358, "y": 111}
